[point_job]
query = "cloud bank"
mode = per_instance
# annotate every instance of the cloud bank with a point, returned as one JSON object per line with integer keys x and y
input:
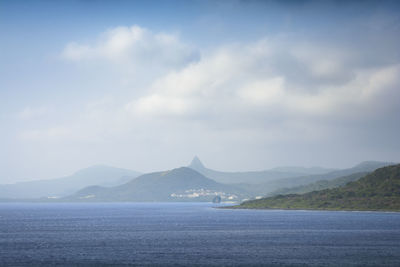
{"x": 278, "y": 98}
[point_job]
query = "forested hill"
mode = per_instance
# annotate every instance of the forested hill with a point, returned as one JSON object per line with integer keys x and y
{"x": 379, "y": 190}
{"x": 319, "y": 185}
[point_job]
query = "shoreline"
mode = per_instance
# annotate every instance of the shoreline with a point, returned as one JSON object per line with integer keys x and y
{"x": 304, "y": 209}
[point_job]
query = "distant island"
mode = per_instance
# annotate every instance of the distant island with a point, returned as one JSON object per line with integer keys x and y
{"x": 377, "y": 191}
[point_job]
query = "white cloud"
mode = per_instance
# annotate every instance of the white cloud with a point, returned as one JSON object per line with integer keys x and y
{"x": 264, "y": 92}
{"x": 322, "y": 60}
{"x": 134, "y": 47}
{"x": 248, "y": 79}
{"x": 160, "y": 105}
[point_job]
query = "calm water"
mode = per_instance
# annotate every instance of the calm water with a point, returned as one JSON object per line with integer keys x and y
{"x": 193, "y": 234}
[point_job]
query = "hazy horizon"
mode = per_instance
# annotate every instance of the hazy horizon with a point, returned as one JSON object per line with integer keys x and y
{"x": 244, "y": 85}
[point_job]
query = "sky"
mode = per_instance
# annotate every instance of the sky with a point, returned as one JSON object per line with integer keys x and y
{"x": 244, "y": 85}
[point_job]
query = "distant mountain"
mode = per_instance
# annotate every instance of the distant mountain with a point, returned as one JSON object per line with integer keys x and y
{"x": 319, "y": 185}
{"x": 379, "y": 190}
{"x": 303, "y": 170}
{"x": 254, "y": 177}
{"x": 193, "y": 183}
{"x": 267, "y": 188}
{"x": 96, "y": 175}
{"x": 181, "y": 184}
{"x": 262, "y": 183}
{"x": 366, "y": 166}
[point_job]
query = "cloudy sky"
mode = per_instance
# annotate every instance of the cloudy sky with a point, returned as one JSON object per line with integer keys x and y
{"x": 147, "y": 85}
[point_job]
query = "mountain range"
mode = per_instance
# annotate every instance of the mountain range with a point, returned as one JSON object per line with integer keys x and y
{"x": 269, "y": 187}
{"x": 189, "y": 184}
{"x": 255, "y": 177}
{"x": 379, "y": 190}
{"x": 192, "y": 183}
{"x": 96, "y": 175}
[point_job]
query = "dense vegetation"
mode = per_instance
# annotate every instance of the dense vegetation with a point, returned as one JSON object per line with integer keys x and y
{"x": 319, "y": 185}
{"x": 379, "y": 190}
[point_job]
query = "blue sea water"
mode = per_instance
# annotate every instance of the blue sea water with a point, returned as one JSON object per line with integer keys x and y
{"x": 190, "y": 234}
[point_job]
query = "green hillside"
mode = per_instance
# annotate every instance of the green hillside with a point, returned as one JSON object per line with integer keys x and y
{"x": 319, "y": 185}
{"x": 181, "y": 184}
{"x": 379, "y": 190}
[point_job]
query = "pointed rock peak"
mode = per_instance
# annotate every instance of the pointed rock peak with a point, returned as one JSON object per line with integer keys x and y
{"x": 196, "y": 164}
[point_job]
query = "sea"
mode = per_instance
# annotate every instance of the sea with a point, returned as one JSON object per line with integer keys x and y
{"x": 193, "y": 234}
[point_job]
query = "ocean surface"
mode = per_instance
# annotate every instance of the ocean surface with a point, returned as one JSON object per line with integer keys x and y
{"x": 190, "y": 234}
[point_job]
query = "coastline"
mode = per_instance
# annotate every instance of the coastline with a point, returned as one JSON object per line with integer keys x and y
{"x": 306, "y": 209}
